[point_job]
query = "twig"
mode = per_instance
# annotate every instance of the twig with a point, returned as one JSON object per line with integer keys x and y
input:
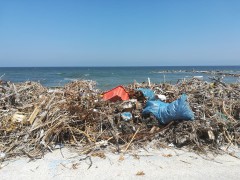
{"x": 87, "y": 157}
{"x": 131, "y": 140}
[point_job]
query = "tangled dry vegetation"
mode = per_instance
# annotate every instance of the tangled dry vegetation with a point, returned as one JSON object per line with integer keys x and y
{"x": 34, "y": 119}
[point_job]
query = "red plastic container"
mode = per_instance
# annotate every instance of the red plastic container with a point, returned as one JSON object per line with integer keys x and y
{"x": 116, "y": 94}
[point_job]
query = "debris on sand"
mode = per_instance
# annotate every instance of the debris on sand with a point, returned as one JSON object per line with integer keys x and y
{"x": 34, "y": 119}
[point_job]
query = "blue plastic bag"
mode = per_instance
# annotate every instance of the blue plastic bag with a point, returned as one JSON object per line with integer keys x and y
{"x": 148, "y": 93}
{"x": 167, "y": 112}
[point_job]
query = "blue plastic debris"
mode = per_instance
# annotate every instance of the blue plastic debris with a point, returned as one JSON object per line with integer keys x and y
{"x": 148, "y": 93}
{"x": 126, "y": 116}
{"x": 167, "y": 112}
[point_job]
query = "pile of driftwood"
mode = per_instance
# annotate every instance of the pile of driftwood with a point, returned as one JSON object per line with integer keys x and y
{"x": 35, "y": 119}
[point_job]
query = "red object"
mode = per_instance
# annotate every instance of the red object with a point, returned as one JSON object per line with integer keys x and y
{"x": 115, "y": 94}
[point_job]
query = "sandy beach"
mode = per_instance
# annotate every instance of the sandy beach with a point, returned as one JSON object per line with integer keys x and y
{"x": 42, "y": 119}
{"x": 141, "y": 164}
{"x": 119, "y": 90}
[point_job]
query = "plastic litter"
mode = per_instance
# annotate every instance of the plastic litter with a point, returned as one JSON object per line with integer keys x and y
{"x": 116, "y": 94}
{"x": 2, "y": 155}
{"x": 148, "y": 93}
{"x": 126, "y": 116}
{"x": 167, "y": 112}
{"x": 161, "y": 97}
{"x": 127, "y": 106}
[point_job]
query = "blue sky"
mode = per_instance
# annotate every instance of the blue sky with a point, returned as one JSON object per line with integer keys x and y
{"x": 119, "y": 32}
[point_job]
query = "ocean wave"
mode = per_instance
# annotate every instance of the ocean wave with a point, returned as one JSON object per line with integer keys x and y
{"x": 71, "y": 79}
{"x": 60, "y": 73}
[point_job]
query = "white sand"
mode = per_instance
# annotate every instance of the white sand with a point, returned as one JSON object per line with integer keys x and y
{"x": 155, "y": 165}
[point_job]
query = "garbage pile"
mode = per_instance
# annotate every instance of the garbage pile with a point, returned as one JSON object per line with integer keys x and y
{"x": 35, "y": 119}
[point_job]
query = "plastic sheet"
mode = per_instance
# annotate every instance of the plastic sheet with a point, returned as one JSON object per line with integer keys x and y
{"x": 167, "y": 112}
{"x": 148, "y": 93}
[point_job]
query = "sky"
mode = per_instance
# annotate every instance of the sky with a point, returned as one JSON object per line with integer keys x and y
{"x": 119, "y": 32}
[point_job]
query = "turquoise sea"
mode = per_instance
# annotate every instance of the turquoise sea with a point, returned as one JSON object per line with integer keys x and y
{"x": 108, "y": 77}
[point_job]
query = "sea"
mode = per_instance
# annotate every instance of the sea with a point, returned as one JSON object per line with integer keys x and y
{"x": 109, "y": 77}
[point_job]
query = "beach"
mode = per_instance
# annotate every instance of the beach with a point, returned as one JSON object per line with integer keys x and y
{"x": 119, "y": 89}
{"x": 79, "y": 130}
{"x": 162, "y": 163}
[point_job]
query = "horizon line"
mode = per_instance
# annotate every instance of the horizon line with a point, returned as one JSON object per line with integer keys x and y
{"x": 113, "y": 66}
